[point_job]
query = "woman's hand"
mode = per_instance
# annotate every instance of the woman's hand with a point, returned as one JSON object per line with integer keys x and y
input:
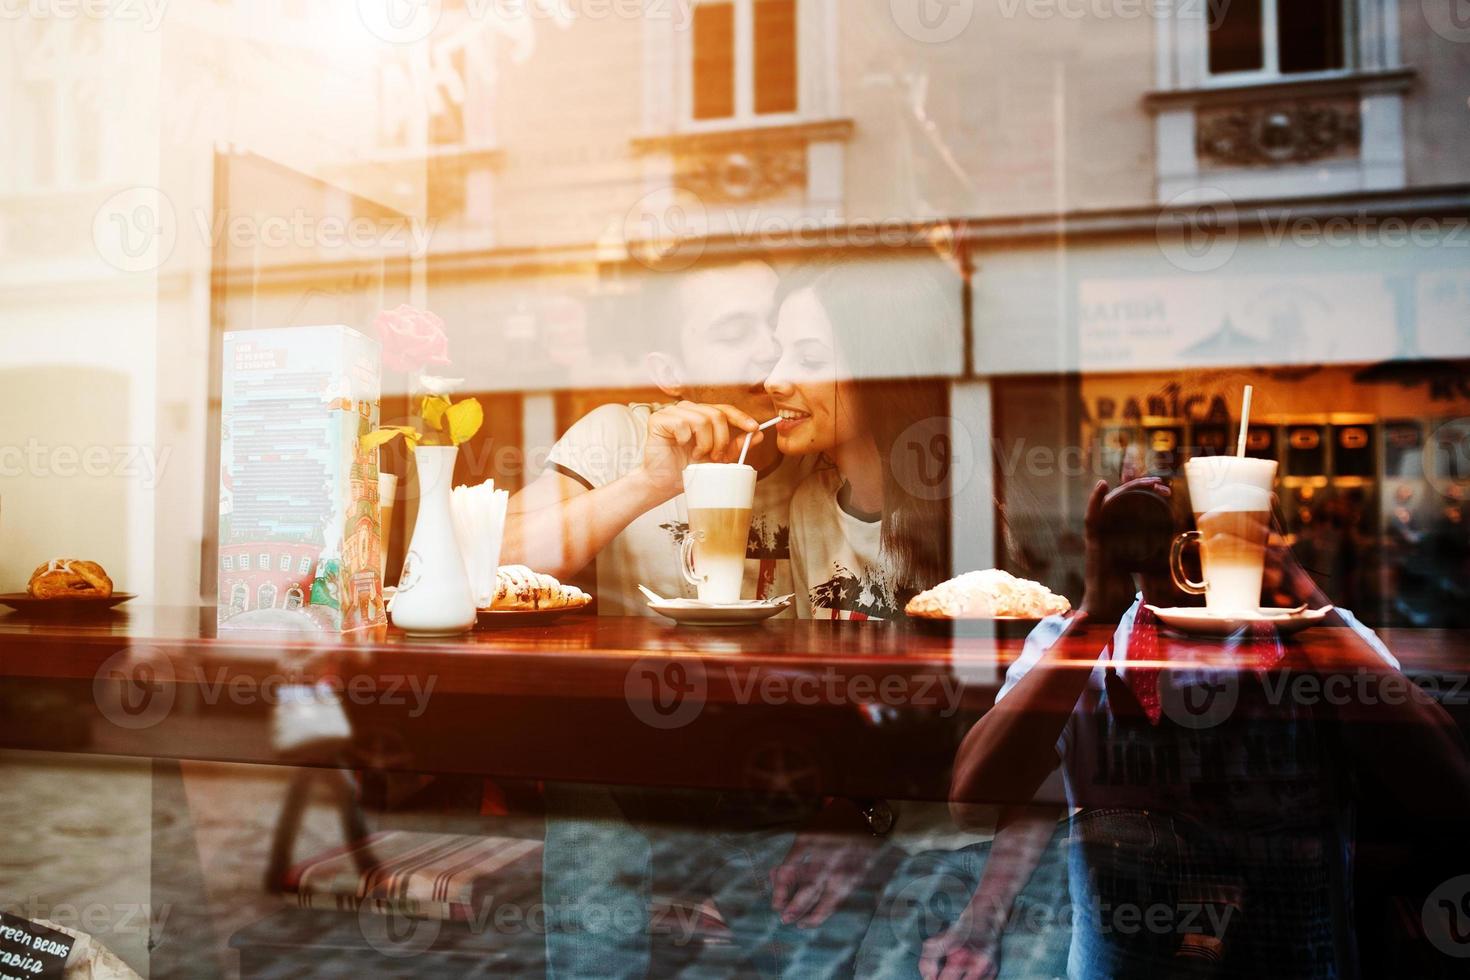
{"x": 690, "y": 433}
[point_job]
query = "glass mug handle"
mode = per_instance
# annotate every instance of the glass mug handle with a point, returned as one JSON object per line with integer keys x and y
{"x": 686, "y": 560}
{"x": 1176, "y": 564}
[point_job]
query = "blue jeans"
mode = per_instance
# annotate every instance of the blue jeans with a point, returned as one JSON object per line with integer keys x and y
{"x": 931, "y": 889}
{"x": 1156, "y": 894}
{"x": 598, "y": 871}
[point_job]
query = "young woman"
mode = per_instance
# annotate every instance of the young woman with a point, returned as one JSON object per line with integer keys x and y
{"x": 863, "y": 343}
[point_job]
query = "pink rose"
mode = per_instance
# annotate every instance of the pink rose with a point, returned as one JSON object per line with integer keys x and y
{"x": 412, "y": 338}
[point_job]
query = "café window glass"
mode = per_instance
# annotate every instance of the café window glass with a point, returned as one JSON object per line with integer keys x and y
{"x": 1279, "y": 37}
{"x": 743, "y": 60}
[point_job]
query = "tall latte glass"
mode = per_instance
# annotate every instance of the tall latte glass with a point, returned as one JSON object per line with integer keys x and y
{"x": 719, "y": 496}
{"x": 1231, "y": 498}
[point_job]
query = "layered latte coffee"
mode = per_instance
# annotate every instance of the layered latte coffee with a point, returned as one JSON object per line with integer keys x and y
{"x": 719, "y": 497}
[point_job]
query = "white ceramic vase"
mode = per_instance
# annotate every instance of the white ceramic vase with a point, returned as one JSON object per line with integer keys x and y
{"x": 434, "y": 597}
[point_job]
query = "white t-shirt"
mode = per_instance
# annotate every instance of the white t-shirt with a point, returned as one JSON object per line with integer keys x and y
{"x": 835, "y": 555}
{"x": 607, "y": 444}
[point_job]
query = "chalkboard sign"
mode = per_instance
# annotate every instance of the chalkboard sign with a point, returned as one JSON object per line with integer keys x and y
{"x": 31, "y": 952}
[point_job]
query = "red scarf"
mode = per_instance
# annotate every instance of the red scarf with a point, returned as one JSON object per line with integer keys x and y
{"x": 1258, "y": 649}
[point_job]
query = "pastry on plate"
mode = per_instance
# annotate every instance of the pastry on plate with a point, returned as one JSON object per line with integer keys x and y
{"x": 69, "y": 578}
{"x": 988, "y": 594}
{"x": 519, "y": 588}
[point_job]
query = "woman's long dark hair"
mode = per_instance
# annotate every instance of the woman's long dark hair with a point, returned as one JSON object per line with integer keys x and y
{"x": 898, "y": 324}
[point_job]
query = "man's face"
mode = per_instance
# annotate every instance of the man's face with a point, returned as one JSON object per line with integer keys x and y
{"x": 727, "y": 345}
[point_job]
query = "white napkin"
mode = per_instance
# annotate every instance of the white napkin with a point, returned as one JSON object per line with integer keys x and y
{"x": 479, "y": 524}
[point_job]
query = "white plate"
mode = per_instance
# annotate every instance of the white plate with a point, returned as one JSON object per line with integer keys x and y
{"x": 1198, "y": 621}
{"x": 692, "y": 612}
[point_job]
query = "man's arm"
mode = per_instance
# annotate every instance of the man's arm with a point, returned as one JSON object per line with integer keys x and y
{"x": 557, "y": 526}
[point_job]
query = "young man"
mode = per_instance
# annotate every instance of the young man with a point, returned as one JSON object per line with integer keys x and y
{"x": 612, "y": 491}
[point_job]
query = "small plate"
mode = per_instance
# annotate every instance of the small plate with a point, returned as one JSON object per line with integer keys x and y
{"x": 692, "y": 612}
{"x": 67, "y": 606}
{"x": 504, "y": 618}
{"x": 998, "y": 627}
{"x": 1198, "y": 621}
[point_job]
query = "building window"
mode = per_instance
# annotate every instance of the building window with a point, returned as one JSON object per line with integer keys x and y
{"x": 1278, "y": 37}
{"x": 743, "y": 59}
{"x": 305, "y": 567}
{"x": 245, "y": 561}
{"x": 285, "y": 564}
{"x": 228, "y": 561}
{"x": 265, "y": 561}
{"x": 266, "y": 596}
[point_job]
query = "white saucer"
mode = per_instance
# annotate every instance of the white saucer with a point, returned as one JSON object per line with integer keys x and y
{"x": 692, "y": 612}
{"x": 1198, "y": 621}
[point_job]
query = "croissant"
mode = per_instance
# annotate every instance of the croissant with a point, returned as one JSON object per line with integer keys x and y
{"x": 61, "y": 577}
{"x": 518, "y": 587}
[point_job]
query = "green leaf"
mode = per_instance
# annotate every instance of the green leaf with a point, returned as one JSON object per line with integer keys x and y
{"x": 465, "y": 419}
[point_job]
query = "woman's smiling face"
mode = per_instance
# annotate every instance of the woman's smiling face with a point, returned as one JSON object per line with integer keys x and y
{"x": 810, "y": 386}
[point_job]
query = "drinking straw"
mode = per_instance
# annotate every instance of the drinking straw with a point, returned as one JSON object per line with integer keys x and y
{"x": 1245, "y": 421}
{"x": 746, "y": 448}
